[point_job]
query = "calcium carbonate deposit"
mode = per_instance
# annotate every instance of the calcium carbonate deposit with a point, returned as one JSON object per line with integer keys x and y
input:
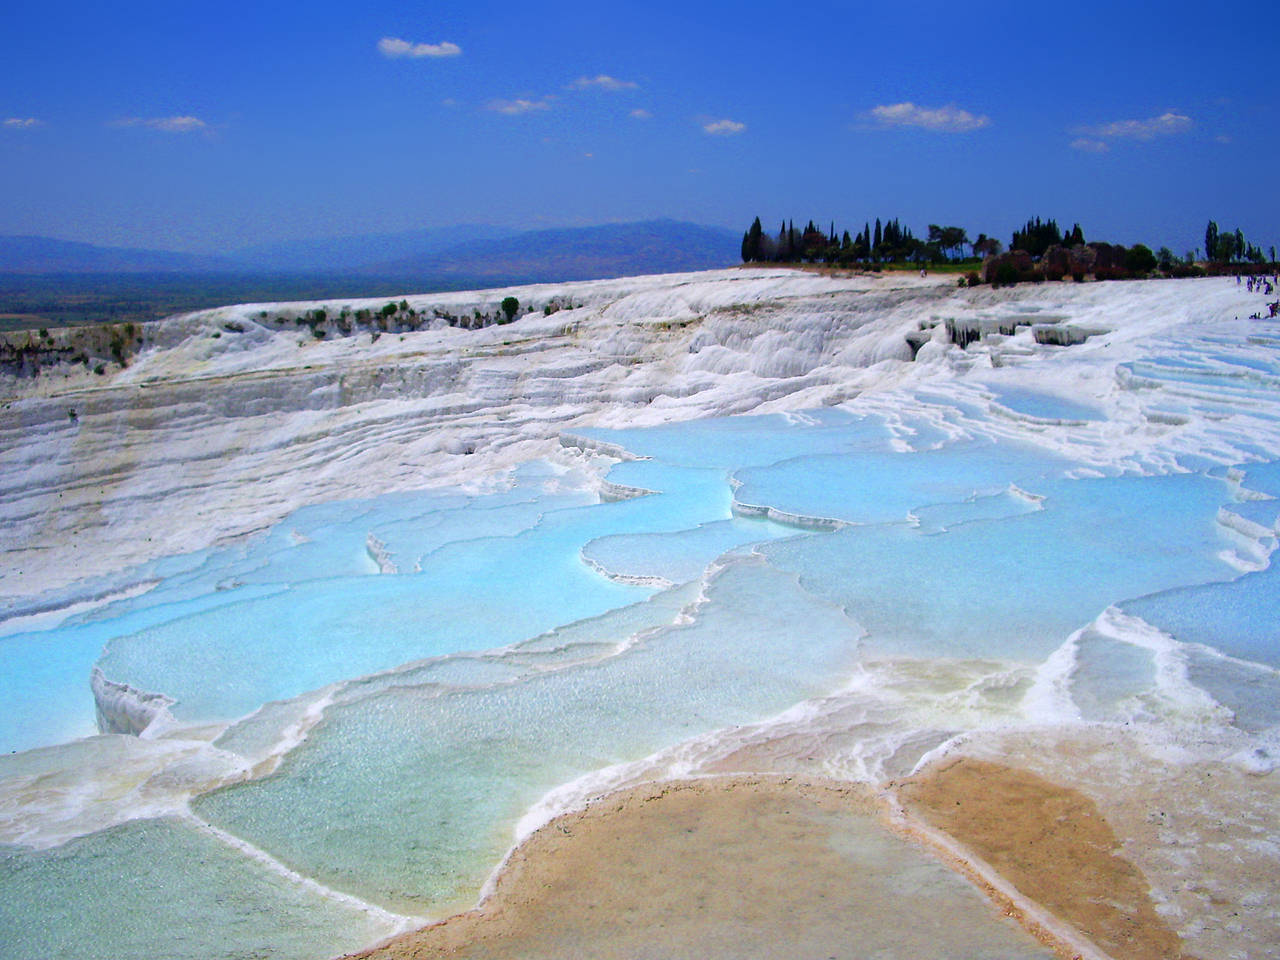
{"x": 306, "y": 621}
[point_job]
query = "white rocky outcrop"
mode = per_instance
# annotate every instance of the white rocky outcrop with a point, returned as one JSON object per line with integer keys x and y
{"x": 226, "y": 420}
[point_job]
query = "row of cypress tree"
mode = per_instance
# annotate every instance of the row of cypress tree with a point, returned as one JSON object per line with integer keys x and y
{"x": 1231, "y": 247}
{"x": 1037, "y": 236}
{"x": 887, "y": 242}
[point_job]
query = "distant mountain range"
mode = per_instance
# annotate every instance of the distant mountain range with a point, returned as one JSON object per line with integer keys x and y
{"x": 581, "y": 253}
{"x": 356, "y": 253}
{"x": 37, "y": 255}
{"x": 444, "y": 256}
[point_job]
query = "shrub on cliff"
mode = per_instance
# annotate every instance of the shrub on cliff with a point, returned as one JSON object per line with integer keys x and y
{"x": 1139, "y": 260}
{"x": 1009, "y": 268}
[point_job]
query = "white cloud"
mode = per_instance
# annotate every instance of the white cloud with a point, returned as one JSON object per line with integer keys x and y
{"x": 394, "y": 48}
{"x": 948, "y": 119}
{"x": 22, "y": 123}
{"x": 513, "y": 107}
{"x": 1222, "y": 138}
{"x": 177, "y": 124}
{"x": 1088, "y": 145}
{"x": 723, "y": 128}
{"x": 640, "y": 114}
{"x": 1164, "y": 125}
{"x": 603, "y": 82}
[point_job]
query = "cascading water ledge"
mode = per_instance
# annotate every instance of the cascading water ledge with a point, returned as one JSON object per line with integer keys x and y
{"x": 800, "y": 521}
{"x": 125, "y": 709}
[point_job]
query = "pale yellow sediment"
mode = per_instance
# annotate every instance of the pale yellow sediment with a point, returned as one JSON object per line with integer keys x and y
{"x": 746, "y": 866}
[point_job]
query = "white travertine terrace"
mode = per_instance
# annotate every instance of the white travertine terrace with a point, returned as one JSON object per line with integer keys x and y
{"x": 209, "y": 433}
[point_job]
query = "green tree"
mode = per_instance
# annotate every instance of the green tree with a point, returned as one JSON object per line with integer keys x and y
{"x": 782, "y": 251}
{"x": 813, "y": 243}
{"x": 1211, "y": 241}
{"x": 986, "y": 246}
{"x": 510, "y": 306}
{"x": 948, "y": 239}
{"x": 751, "y": 245}
{"x": 1036, "y": 237}
{"x": 1139, "y": 260}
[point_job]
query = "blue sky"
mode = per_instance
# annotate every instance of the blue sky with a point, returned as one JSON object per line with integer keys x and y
{"x": 207, "y": 126}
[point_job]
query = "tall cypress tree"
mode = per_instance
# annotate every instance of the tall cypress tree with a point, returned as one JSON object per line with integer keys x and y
{"x": 878, "y": 242}
{"x": 752, "y": 242}
{"x": 1211, "y": 241}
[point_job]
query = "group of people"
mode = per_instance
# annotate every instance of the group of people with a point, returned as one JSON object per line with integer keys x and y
{"x": 1259, "y": 283}
{"x": 1266, "y": 286}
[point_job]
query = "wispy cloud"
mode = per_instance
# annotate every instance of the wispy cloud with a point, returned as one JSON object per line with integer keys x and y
{"x": 948, "y": 119}
{"x": 22, "y": 123}
{"x": 603, "y": 81}
{"x": 640, "y": 114}
{"x": 1166, "y": 124}
{"x": 514, "y": 107}
{"x": 393, "y": 48}
{"x": 723, "y": 128}
{"x": 1089, "y": 145}
{"x": 177, "y": 124}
